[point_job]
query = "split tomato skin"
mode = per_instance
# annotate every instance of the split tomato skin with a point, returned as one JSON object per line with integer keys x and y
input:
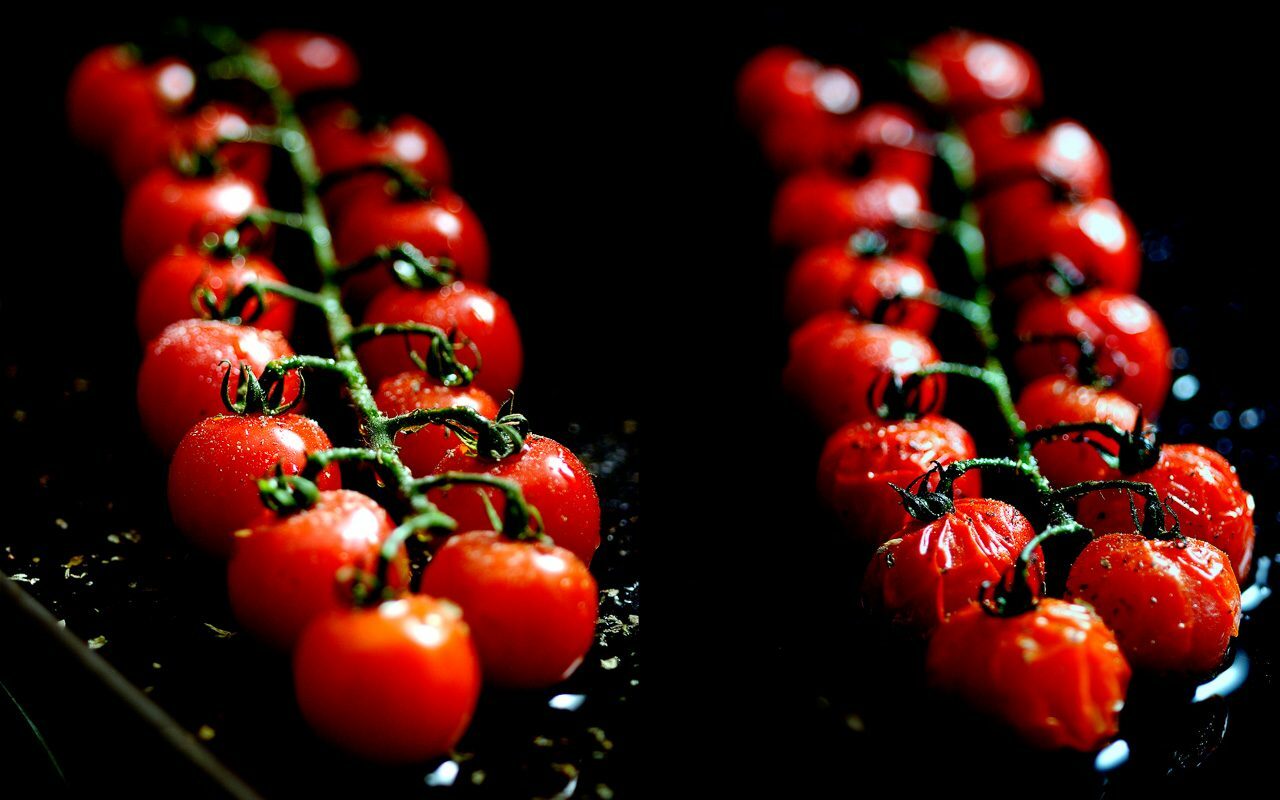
{"x": 971, "y": 72}
{"x": 831, "y": 278}
{"x": 165, "y": 292}
{"x": 1205, "y": 494}
{"x": 930, "y": 570}
{"x": 817, "y": 207}
{"x": 308, "y": 61}
{"x": 421, "y": 450}
{"x": 396, "y": 684}
{"x": 1174, "y": 605}
{"x": 862, "y": 458}
{"x": 1050, "y": 400}
{"x": 531, "y": 607}
{"x": 110, "y": 87}
{"x": 1055, "y": 674}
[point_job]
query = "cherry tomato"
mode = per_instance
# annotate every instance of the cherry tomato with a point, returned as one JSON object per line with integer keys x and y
{"x": 531, "y": 607}
{"x": 110, "y": 87}
{"x": 1206, "y": 496}
{"x": 165, "y": 293}
{"x": 421, "y": 450}
{"x": 966, "y": 72}
{"x": 396, "y": 683}
{"x": 1065, "y": 154}
{"x": 285, "y": 568}
{"x": 1127, "y": 334}
{"x": 180, "y": 381}
{"x": 930, "y": 570}
{"x": 890, "y": 139}
{"x": 1054, "y": 674}
{"x": 1066, "y": 460}
{"x": 862, "y": 458}
{"x": 213, "y": 478}
{"x": 813, "y": 208}
{"x": 781, "y": 82}
{"x": 1174, "y": 605}
{"x": 147, "y": 143}
{"x": 830, "y": 277}
{"x": 477, "y": 313}
{"x": 553, "y": 480}
{"x": 166, "y": 209}
{"x": 308, "y": 61}
{"x": 835, "y": 362}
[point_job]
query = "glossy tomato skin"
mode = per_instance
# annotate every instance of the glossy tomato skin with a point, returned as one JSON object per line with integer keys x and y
{"x": 835, "y": 361}
{"x": 1051, "y": 400}
{"x": 930, "y": 570}
{"x": 831, "y": 278}
{"x": 284, "y": 572}
{"x": 862, "y": 458}
{"x": 1131, "y": 343}
{"x": 213, "y": 477}
{"x": 421, "y": 450}
{"x": 553, "y": 480}
{"x": 149, "y": 143}
{"x": 165, "y": 293}
{"x": 308, "y": 61}
{"x": 110, "y": 87}
{"x": 478, "y": 314}
{"x": 1064, "y": 154}
{"x": 817, "y": 207}
{"x": 531, "y": 607}
{"x": 1205, "y": 494}
{"x": 180, "y": 381}
{"x": 890, "y": 139}
{"x": 782, "y": 82}
{"x": 971, "y": 72}
{"x": 397, "y": 683}
{"x": 1055, "y": 674}
{"x": 1174, "y": 605}
{"x": 166, "y": 209}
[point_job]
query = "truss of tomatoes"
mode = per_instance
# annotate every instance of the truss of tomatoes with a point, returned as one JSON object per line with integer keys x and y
{"x": 394, "y": 676}
{"x": 942, "y": 560}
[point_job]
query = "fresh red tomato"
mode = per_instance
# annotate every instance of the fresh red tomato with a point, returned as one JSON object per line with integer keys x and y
{"x": 1065, "y": 154}
{"x": 147, "y": 143}
{"x": 166, "y": 209}
{"x": 966, "y": 72}
{"x": 1205, "y": 494}
{"x": 835, "y": 362}
{"x": 1174, "y": 605}
{"x": 862, "y": 458}
{"x": 531, "y": 607}
{"x": 285, "y": 569}
{"x": 1054, "y": 674}
{"x": 1053, "y": 399}
{"x": 553, "y": 481}
{"x": 397, "y": 683}
{"x": 830, "y": 277}
{"x": 477, "y": 313}
{"x": 890, "y": 139}
{"x": 1129, "y": 339}
{"x": 930, "y": 570}
{"x": 782, "y": 82}
{"x": 180, "y": 381}
{"x": 213, "y": 478}
{"x": 111, "y": 87}
{"x": 813, "y": 208}
{"x": 421, "y": 450}
{"x": 308, "y": 61}
{"x": 166, "y": 291}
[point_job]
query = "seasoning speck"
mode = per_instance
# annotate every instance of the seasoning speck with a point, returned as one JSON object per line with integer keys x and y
{"x": 97, "y": 642}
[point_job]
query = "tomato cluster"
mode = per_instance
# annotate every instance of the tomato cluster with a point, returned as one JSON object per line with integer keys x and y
{"x": 1158, "y": 589}
{"x": 388, "y": 661}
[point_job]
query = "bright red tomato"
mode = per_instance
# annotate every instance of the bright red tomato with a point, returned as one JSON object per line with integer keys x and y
{"x": 110, "y": 87}
{"x": 1065, "y": 154}
{"x": 213, "y": 478}
{"x": 396, "y": 683}
{"x": 147, "y": 143}
{"x": 478, "y": 314}
{"x": 180, "y": 381}
{"x": 1205, "y": 493}
{"x": 1127, "y": 334}
{"x": 166, "y": 209}
{"x": 1053, "y": 399}
{"x": 165, "y": 293}
{"x": 308, "y": 61}
{"x": 862, "y": 458}
{"x": 782, "y": 82}
{"x": 890, "y": 140}
{"x": 1174, "y": 605}
{"x": 966, "y": 72}
{"x": 830, "y": 277}
{"x": 421, "y": 450}
{"x": 531, "y": 607}
{"x": 930, "y": 570}
{"x": 813, "y": 208}
{"x": 553, "y": 480}
{"x": 835, "y": 362}
{"x": 1054, "y": 674}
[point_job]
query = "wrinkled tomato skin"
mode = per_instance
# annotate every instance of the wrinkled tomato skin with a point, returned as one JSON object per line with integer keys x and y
{"x": 213, "y": 477}
{"x": 1054, "y": 674}
{"x": 531, "y": 607}
{"x": 1051, "y": 400}
{"x": 835, "y": 362}
{"x": 930, "y": 570}
{"x": 816, "y": 207}
{"x": 165, "y": 292}
{"x": 862, "y": 458}
{"x": 1205, "y": 494}
{"x": 1130, "y": 341}
{"x": 148, "y": 144}
{"x": 831, "y": 278}
{"x": 396, "y": 684}
{"x": 307, "y": 61}
{"x": 1174, "y": 605}
{"x": 421, "y": 450}
{"x": 781, "y": 82}
{"x": 110, "y": 88}
{"x": 976, "y": 72}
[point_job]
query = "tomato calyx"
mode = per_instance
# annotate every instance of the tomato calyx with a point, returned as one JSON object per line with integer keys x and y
{"x": 922, "y": 503}
{"x": 491, "y": 439}
{"x": 409, "y": 266}
{"x": 1138, "y": 449}
{"x": 254, "y": 395}
{"x": 895, "y": 396}
{"x": 287, "y": 494}
{"x": 403, "y": 183}
{"x": 439, "y": 362}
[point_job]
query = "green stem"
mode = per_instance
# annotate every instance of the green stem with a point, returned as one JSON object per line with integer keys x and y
{"x": 992, "y": 376}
